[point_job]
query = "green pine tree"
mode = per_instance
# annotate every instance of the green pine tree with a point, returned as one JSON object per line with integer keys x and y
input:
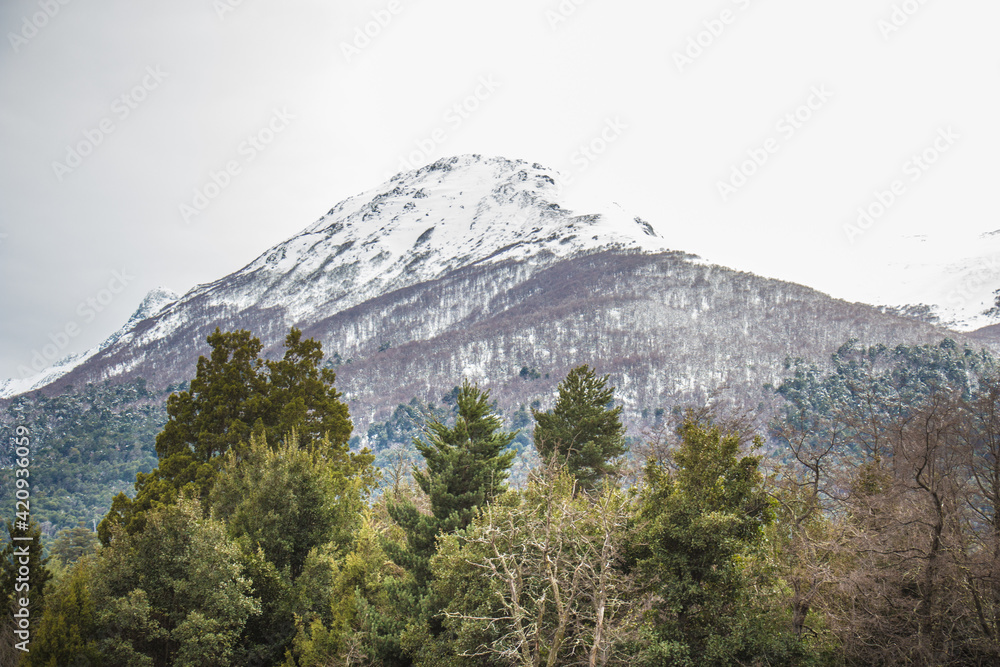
{"x": 466, "y": 467}
{"x": 582, "y": 430}
{"x": 234, "y": 394}
{"x": 301, "y": 397}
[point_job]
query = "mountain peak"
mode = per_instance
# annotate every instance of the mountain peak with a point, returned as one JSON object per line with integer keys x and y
{"x": 417, "y": 227}
{"x": 421, "y": 224}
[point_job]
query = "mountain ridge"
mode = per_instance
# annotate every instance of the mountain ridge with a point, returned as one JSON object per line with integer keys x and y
{"x": 476, "y": 267}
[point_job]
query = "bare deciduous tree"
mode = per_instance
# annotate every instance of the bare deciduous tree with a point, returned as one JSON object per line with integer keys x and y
{"x": 551, "y": 556}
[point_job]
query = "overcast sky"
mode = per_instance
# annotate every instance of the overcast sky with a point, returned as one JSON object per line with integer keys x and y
{"x": 116, "y": 116}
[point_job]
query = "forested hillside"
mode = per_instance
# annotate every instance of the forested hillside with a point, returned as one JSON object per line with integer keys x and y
{"x": 866, "y": 533}
{"x": 479, "y": 268}
{"x": 87, "y": 447}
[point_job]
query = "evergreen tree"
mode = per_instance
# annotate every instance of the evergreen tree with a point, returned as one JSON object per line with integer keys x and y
{"x": 235, "y": 393}
{"x": 466, "y": 467}
{"x": 67, "y": 632}
{"x": 582, "y": 429}
{"x": 20, "y": 580}
{"x": 290, "y": 505}
{"x": 301, "y": 397}
{"x": 174, "y": 593}
{"x": 289, "y": 500}
{"x": 72, "y": 544}
{"x": 699, "y": 526}
{"x": 227, "y": 397}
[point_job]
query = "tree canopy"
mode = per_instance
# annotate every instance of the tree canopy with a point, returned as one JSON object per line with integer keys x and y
{"x": 234, "y": 394}
{"x": 583, "y": 430}
{"x": 467, "y": 466}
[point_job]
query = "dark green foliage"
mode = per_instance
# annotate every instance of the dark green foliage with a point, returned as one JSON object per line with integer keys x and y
{"x": 395, "y": 453}
{"x": 699, "y": 526}
{"x": 371, "y": 601}
{"x": 226, "y": 399}
{"x": 257, "y": 540}
{"x": 466, "y": 467}
{"x": 522, "y": 422}
{"x": 174, "y": 592}
{"x": 11, "y": 585}
{"x": 288, "y": 500}
{"x": 870, "y": 388}
{"x": 72, "y": 544}
{"x": 24, "y": 575}
{"x": 235, "y": 393}
{"x": 405, "y": 424}
{"x": 87, "y": 446}
{"x": 583, "y": 430}
{"x": 301, "y": 396}
{"x": 67, "y": 631}
{"x": 529, "y": 373}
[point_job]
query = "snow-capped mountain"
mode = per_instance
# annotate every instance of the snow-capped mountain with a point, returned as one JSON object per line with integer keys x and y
{"x": 417, "y": 227}
{"x": 477, "y": 268}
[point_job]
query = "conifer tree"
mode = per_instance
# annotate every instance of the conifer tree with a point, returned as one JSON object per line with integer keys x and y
{"x": 20, "y": 580}
{"x": 582, "y": 430}
{"x": 72, "y": 544}
{"x": 466, "y": 467}
{"x": 301, "y": 397}
{"x": 699, "y": 524}
{"x": 67, "y": 631}
{"x": 234, "y": 394}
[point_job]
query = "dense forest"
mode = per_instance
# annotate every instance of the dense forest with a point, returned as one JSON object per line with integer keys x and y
{"x": 859, "y": 526}
{"x": 88, "y": 447}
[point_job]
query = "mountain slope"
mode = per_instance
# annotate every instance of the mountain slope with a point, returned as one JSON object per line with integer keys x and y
{"x": 474, "y": 268}
{"x": 955, "y": 275}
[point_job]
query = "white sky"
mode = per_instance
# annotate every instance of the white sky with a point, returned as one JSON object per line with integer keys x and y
{"x": 554, "y": 87}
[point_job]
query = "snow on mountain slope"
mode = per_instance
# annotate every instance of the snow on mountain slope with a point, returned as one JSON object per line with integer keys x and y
{"x": 420, "y": 225}
{"x": 436, "y": 251}
{"x": 416, "y": 227}
{"x": 152, "y": 304}
{"x": 955, "y": 275}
